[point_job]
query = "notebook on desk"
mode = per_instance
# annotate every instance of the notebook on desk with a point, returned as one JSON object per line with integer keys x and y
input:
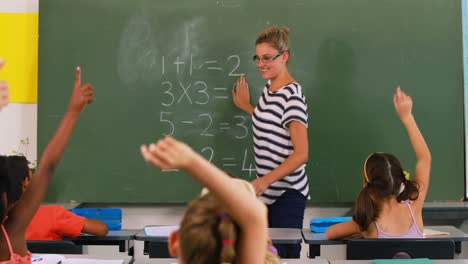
{"x": 60, "y": 259}
{"x": 434, "y": 233}
{"x": 160, "y": 231}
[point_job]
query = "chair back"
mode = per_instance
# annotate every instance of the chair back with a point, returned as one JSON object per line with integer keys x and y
{"x": 400, "y": 249}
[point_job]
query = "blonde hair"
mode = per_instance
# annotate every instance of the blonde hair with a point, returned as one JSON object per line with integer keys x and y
{"x": 271, "y": 258}
{"x": 209, "y": 235}
{"x": 277, "y": 37}
{"x": 203, "y": 231}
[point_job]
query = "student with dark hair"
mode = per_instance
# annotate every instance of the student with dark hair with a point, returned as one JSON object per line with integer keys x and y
{"x": 17, "y": 210}
{"x": 390, "y": 204}
{"x": 51, "y": 222}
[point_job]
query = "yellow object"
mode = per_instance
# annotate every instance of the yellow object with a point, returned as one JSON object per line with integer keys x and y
{"x": 407, "y": 174}
{"x": 19, "y": 47}
{"x": 366, "y": 178}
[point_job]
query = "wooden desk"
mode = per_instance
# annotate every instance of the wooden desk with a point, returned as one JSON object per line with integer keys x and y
{"x": 315, "y": 240}
{"x": 126, "y": 260}
{"x": 436, "y": 261}
{"x": 123, "y": 238}
{"x": 285, "y": 235}
{"x": 283, "y": 261}
{"x": 156, "y": 246}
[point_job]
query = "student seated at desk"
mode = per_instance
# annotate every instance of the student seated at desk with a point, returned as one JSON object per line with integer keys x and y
{"x": 389, "y": 205}
{"x": 226, "y": 225}
{"x": 17, "y": 209}
{"x": 53, "y": 222}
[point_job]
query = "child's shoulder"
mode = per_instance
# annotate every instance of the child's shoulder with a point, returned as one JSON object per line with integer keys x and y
{"x": 52, "y": 207}
{"x": 50, "y": 210}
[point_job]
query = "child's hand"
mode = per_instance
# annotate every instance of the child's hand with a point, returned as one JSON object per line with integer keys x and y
{"x": 82, "y": 94}
{"x": 403, "y": 104}
{"x": 168, "y": 153}
{"x": 4, "y": 92}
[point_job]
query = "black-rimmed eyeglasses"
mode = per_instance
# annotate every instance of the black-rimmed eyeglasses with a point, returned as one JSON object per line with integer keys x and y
{"x": 266, "y": 58}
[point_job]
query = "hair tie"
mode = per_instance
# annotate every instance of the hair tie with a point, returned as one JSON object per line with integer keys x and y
{"x": 402, "y": 187}
{"x": 227, "y": 242}
{"x": 406, "y": 174}
{"x": 223, "y": 216}
{"x": 273, "y": 249}
{"x": 366, "y": 178}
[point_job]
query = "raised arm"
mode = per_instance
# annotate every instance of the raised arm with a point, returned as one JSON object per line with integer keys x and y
{"x": 403, "y": 105}
{"x": 31, "y": 199}
{"x": 241, "y": 96}
{"x": 248, "y": 212}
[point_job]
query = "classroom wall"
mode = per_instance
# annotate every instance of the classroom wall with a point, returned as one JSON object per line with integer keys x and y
{"x": 18, "y": 121}
{"x": 18, "y": 46}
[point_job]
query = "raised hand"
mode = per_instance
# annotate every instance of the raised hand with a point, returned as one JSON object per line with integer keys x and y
{"x": 403, "y": 104}
{"x": 82, "y": 94}
{"x": 168, "y": 153}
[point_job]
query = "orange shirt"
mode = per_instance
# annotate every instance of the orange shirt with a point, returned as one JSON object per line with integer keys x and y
{"x": 53, "y": 222}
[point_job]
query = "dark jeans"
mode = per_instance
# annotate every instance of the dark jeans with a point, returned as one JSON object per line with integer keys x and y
{"x": 288, "y": 212}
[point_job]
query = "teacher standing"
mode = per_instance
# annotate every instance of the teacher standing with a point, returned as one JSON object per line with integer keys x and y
{"x": 279, "y": 134}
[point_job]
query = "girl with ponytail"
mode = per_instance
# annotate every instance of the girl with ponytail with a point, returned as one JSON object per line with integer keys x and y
{"x": 226, "y": 224}
{"x": 390, "y": 204}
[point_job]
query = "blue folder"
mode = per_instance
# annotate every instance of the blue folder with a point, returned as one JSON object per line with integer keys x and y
{"x": 320, "y": 225}
{"x": 112, "y": 217}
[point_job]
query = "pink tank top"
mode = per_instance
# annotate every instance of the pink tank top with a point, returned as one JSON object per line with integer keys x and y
{"x": 14, "y": 258}
{"x": 412, "y": 232}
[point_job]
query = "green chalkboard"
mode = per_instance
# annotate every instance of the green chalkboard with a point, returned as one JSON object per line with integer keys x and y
{"x": 167, "y": 67}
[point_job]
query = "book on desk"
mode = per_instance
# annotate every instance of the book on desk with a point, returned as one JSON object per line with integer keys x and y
{"x": 61, "y": 259}
{"x": 160, "y": 231}
{"x": 434, "y": 233}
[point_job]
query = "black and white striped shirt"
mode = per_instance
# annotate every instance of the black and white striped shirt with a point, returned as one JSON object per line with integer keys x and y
{"x": 272, "y": 141}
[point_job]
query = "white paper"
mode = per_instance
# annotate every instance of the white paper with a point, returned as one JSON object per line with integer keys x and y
{"x": 55, "y": 259}
{"x": 92, "y": 261}
{"x": 160, "y": 231}
{"x": 432, "y": 233}
{"x": 47, "y": 259}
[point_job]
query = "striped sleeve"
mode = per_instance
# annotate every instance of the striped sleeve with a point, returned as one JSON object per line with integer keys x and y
{"x": 295, "y": 110}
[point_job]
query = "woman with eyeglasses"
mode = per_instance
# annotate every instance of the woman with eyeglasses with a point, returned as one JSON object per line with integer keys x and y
{"x": 279, "y": 134}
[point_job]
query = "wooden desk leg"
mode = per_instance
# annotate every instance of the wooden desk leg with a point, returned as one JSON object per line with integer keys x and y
{"x": 314, "y": 251}
{"x": 145, "y": 248}
{"x": 131, "y": 248}
{"x": 458, "y": 247}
